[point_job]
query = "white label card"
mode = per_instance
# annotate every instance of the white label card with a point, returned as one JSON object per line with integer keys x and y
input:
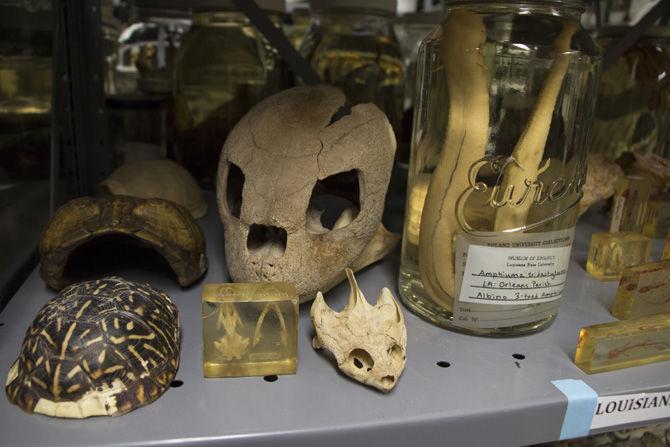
{"x": 629, "y": 408}
{"x": 508, "y": 276}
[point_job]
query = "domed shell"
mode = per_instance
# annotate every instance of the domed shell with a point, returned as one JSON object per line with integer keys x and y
{"x": 99, "y": 348}
{"x": 160, "y": 179}
{"x": 166, "y": 226}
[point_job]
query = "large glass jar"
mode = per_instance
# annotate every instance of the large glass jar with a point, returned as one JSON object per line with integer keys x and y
{"x": 351, "y": 45}
{"x": 411, "y": 31}
{"x": 221, "y": 72}
{"x": 504, "y": 102}
{"x": 633, "y": 106}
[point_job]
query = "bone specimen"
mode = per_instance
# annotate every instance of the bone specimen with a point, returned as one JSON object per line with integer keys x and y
{"x": 465, "y": 143}
{"x": 290, "y": 151}
{"x": 258, "y": 332}
{"x": 601, "y": 176}
{"x": 232, "y": 345}
{"x": 369, "y": 342}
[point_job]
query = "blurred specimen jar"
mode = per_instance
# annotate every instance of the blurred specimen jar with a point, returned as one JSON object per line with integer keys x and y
{"x": 505, "y": 95}
{"x": 633, "y": 106}
{"x": 351, "y": 45}
{"x": 222, "y": 70}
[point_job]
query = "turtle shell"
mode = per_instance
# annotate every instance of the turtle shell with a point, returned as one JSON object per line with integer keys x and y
{"x": 161, "y": 179}
{"x": 166, "y": 226}
{"x": 101, "y": 347}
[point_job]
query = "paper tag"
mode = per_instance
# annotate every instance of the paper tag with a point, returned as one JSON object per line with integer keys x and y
{"x": 507, "y": 276}
{"x": 629, "y": 408}
{"x": 497, "y": 313}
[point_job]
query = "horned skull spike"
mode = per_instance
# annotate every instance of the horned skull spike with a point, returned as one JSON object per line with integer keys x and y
{"x": 369, "y": 342}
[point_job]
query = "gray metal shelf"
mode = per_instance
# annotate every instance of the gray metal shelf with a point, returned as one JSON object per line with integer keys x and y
{"x": 486, "y": 397}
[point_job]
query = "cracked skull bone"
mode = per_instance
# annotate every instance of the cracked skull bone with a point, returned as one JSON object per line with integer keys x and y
{"x": 369, "y": 342}
{"x": 290, "y": 152}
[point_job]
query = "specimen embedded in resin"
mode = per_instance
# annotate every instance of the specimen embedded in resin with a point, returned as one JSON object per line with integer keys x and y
{"x": 622, "y": 344}
{"x": 610, "y": 253}
{"x": 301, "y": 188}
{"x": 601, "y": 177}
{"x": 643, "y": 290}
{"x": 629, "y": 205}
{"x": 369, "y": 342}
{"x": 249, "y": 329}
{"x": 165, "y": 226}
{"x": 657, "y": 222}
{"x": 159, "y": 179}
{"x": 99, "y": 348}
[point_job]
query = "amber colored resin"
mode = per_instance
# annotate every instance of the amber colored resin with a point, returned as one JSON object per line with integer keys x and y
{"x": 629, "y": 204}
{"x": 622, "y": 344}
{"x": 657, "y": 221}
{"x": 249, "y": 329}
{"x": 666, "y": 248}
{"x": 610, "y": 253}
{"x": 643, "y": 290}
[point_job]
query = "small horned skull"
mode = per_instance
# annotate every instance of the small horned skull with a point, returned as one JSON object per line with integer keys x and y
{"x": 369, "y": 342}
{"x": 290, "y": 158}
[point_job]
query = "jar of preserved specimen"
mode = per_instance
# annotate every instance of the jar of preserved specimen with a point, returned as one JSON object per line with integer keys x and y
{"x": 505, "y": 97}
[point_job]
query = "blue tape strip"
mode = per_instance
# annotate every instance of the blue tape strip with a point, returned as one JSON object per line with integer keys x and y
{"x": 582, "y": 401}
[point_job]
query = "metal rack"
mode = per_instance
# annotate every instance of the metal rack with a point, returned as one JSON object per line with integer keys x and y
{"x": 484, "y": 397}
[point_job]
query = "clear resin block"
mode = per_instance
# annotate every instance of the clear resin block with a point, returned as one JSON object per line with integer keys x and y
{"x": 643, "y": 290}
{"x": 629, "y": 204}
{"x": 622, "y": 344}
{"x": 249, "y": 329}
{"x": 657, "y": 222}
{"x": 610, "y": 253}
{"x": 666, "y": 247}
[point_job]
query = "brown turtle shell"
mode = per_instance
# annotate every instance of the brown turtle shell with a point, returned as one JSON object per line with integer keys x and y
{"x": 166, "y": 226}
{"x": 99, "y": 348}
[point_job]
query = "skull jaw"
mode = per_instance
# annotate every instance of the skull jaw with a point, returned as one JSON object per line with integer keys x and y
{"x": 245, "y": 268}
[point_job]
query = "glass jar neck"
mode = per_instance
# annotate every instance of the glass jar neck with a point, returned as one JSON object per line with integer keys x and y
{"x": 566, "y": 9}
{"x": 359, "y": 21}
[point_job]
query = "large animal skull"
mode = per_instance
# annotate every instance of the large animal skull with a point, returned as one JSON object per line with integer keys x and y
{"x": 369, "y": 342}
{"x": 276, "y": 166}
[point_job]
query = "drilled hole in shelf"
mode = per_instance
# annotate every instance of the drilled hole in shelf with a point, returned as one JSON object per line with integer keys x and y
{"x": 443, "y": 364}
{"x": 176, "y": 383}
{"x": 272, "y": 378}
{"x": 2, "y": 324}
{"x": 519, "y": 356}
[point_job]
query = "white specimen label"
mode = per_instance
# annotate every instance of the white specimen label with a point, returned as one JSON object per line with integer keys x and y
{"x": 628, "y": 408}
{"x": 508, "y": 276}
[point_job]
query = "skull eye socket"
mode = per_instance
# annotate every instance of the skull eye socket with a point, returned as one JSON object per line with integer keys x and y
{"x": 334, "y": 203}
{"x": 396, "y": 353}
{"x": 234, "y": 186}
{"x": 361, "y": 359}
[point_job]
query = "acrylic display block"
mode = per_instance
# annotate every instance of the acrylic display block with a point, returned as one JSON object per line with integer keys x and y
{"x": 249, "y": 329}
{"x": 666, "y": 247}
{"x": 610, "y": 253}
{"x": 629, "y": 204}
{"x": 657, "y": 222}
{"x": 623, "y": 344}
{"x": 643, "y": 290}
